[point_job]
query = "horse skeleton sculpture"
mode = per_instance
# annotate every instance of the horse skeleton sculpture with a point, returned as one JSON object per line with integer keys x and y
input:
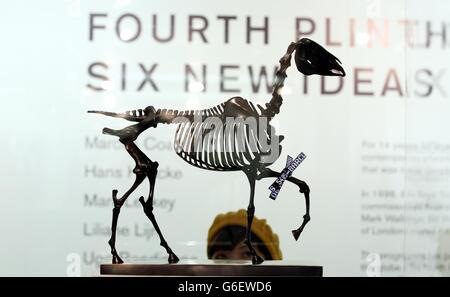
{"x": 233, "y": 147}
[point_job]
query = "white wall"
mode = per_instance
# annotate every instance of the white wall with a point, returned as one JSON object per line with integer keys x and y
{"x": 377, "y": 164}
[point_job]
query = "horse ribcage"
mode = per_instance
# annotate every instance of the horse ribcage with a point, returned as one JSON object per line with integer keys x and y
{"x": 216, "y": 143}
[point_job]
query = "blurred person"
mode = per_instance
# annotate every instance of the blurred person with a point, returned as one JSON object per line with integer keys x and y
{"x": 226, "y": 238}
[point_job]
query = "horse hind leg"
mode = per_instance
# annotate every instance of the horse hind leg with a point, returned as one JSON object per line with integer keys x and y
{"x": 126, "y": 137}
{"x": 116, "y": 211}
{"x": 148, "y": 210}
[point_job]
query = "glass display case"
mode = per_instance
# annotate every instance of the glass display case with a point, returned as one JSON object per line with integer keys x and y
{"x": 375, "y": 140}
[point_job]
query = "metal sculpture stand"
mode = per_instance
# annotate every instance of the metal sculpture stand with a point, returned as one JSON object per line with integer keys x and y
{"x": 212, "y": 268}
{"x": 251, "y": 155}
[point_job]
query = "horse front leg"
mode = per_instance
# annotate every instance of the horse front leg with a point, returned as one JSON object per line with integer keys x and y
{"x": 303, "y": 188}
{"x": 250, "y": 171}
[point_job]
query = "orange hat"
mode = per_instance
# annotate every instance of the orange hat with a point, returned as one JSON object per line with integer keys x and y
{"x": 259, "y": 227}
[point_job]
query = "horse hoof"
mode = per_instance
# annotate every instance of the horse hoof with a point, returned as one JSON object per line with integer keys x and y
{"x": 296, "y": 234}
{"x": 117, "y": 260}
{"x": 173, "y": 258}
{"x": 257, "y": 260}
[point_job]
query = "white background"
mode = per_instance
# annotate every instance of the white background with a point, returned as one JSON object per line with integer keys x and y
{"x": 44, "y": 59}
